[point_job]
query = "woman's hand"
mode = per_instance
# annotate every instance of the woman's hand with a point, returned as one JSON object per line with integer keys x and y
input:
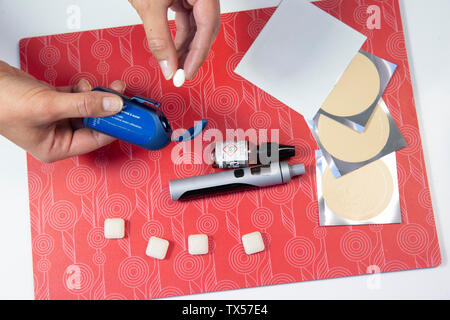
{"x": 197, "y": 22}
{"x": 46, "y": 121}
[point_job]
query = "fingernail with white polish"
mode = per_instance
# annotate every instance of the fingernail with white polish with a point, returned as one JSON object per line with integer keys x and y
{"x": 179, "y": 78}
{"x": 111, "y": 104}
{"x": 164, "y": 65}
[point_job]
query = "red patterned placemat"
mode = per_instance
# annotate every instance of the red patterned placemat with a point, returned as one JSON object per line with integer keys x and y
{"x": 70, "y": 199}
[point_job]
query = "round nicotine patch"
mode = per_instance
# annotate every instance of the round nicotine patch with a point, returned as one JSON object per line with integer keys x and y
{"x": 356, "y": 90}
{"x": 361, "y": 194}
{"x": 349, "y": 145}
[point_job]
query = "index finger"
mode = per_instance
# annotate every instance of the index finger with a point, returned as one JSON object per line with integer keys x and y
{"x": 207, "y": 18}
{"x": 154, "y": 17}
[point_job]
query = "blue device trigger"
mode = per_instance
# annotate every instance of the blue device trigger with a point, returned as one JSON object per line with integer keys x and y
{"x": 191, "y": 133}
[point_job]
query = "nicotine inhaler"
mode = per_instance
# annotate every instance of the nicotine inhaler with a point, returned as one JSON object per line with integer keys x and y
{"x": 141, "y": 122}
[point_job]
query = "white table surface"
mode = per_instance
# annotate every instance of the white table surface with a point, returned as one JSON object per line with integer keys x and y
{"x": 427, "y": 28}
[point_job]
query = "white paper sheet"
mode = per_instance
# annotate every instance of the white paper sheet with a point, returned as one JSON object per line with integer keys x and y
{"x": 299, "y": 55}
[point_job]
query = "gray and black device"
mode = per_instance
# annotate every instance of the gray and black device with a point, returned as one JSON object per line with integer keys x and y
{"x": 257, "y": 176}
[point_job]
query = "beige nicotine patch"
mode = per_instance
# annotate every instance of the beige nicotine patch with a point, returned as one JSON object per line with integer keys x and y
{"x": 360, "y": 195}
{"x": 356, "y": 90}
{"x": 349, "y": 145}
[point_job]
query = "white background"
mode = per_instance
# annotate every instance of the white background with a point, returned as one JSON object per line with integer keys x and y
{"x": 427, "y": 28}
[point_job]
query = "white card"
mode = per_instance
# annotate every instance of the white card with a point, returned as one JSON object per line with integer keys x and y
{"x": 300, "y": 55}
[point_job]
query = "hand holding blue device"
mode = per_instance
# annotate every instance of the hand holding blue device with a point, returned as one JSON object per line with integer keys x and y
{"x": 141, "y": 122}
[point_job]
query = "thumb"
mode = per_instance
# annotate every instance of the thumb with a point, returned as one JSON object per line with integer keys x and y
{"x": 84, "y": 105}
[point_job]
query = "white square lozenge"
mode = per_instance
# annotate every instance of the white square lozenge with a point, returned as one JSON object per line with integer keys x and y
{"x": 114, "y": 228}
{"x": 253, "y": 242}
{"x": 157, "y": 248}
{"x": 198, "y": 244}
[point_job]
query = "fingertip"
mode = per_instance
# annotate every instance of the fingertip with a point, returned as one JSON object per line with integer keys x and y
{"x": 118, "y": 85}
{"x": 82, "y": 86}
{"x": 168, "y": 69}
{"x": 190, "y": 74}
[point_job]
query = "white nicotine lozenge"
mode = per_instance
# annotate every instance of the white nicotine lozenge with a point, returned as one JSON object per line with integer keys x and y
{"x": 157, "y": 248}
{"x": 198, "y": 244}
{"x": 114, "y": 228}
{"x": 253, "y": 242}
{"x": 179, "y": 78}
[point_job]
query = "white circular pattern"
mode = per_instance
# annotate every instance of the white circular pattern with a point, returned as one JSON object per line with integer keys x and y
{"x": 224, "y": 100}
{"x": 96, "y": 238}
{"x": 412, "y": 137}
{"x": 188, "y": 267}
{"x": 44, "y": 265}
{"x": 78, "y": 278}
{"x": 360, "y": 15}
{"x": 262, "y": 218}
{"x": 170, "y": 292}
{"x": 103, "y": 68}
{"x": 34, "y": 185}
{"x": 117, "y": 206}
{"x": 152, "y": 228}
{"x": 101, "y": 49}
{"x": 338, "y": 272}
{"x": 299, "y": 252}
{"x": 173, "y": 105}
{"x": 320, "y": 232}
{"x": 115, "y": 296}
{"x": 166, "y": 206}
{"x": 120, "y": 31}
{"x": 133, "y": 272}
{"x": 137, "y": 79}
{"x": 260, "y": 120}
{"x": 43, "y": 244}
{"x": 99, "y": 258}
{"x": 207, "y": 224}
{"x": 84, "y": 75}
{"x": 49, "y": 56}
{"x": 241, "y": 262}
{"x": 255, "y": 27}
{"x": 62, "y": 215}
{"x": 232, "y": 63}
{"x": 50, "y": 75}
{"x": 154, "y": 155}
{"x": 189, "y": 164}
{"x": 430, "y": 219}
{"x": 394, "y": 84}
{"x": 329, "y": 4}
{"x": 226, "y": 202}
{"x": 395, "y": 45}
{"x": 225, "y": 285}
{"x": 135, "y": 173}
{"x": 81, "y": 180}
{"x": 412, "y": 238}
{"x": 356, "y": 245}
{"x": 68, "y": 38}
{"x": 281, "y": 278}
{"x": 270, "y": 101}
{"x": 394, "y": 265}
{"x": 312, "y": 211}
{"x": 281, "y": 194}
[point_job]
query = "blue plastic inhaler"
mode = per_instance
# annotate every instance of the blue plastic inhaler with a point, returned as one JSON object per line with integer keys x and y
{"x": 141, "y": 122}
